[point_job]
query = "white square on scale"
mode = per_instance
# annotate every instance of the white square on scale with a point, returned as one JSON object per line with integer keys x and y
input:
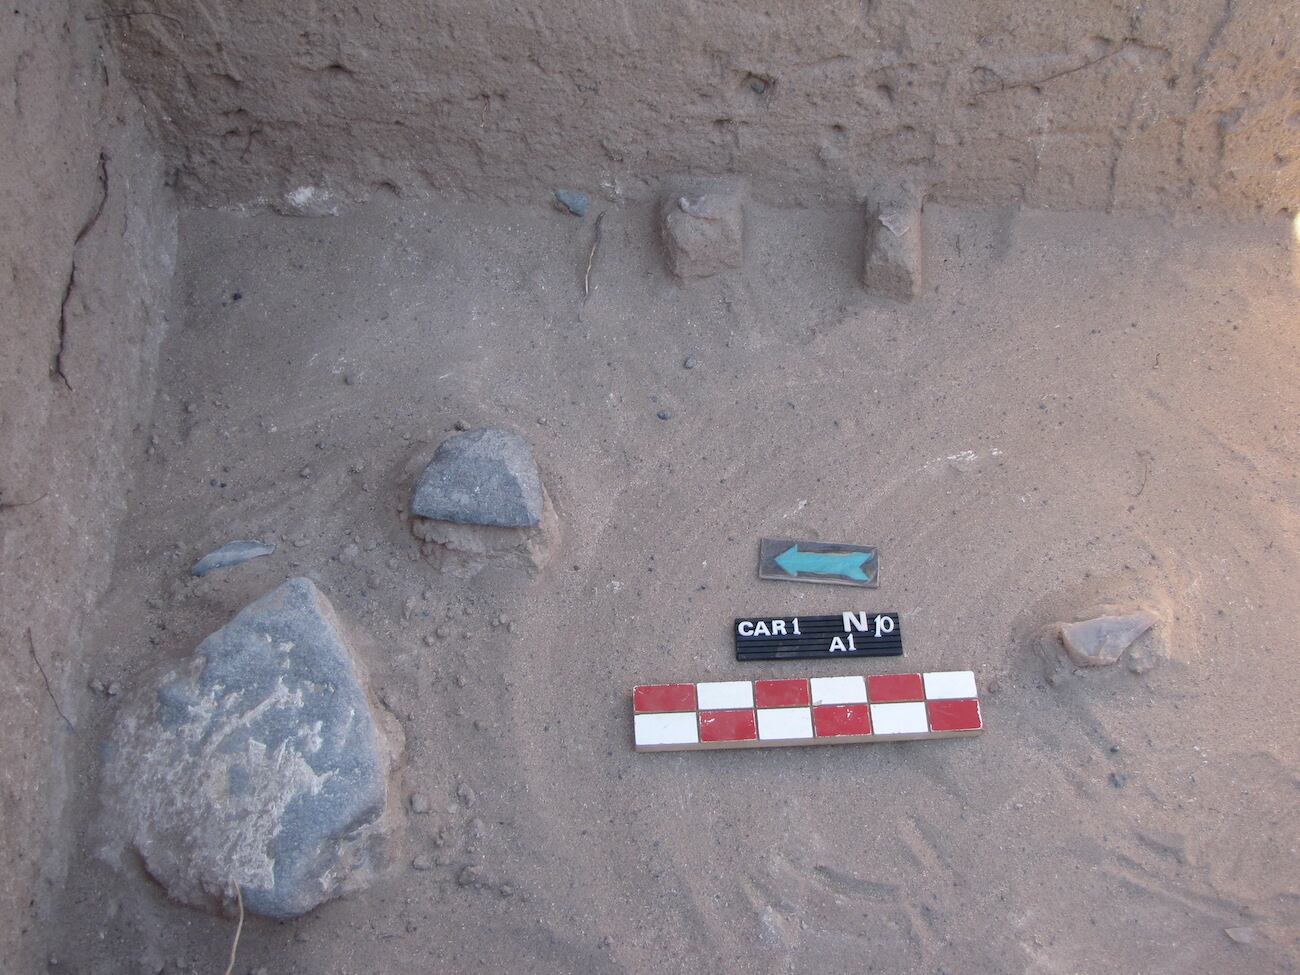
{"x": 950, "y": 685}
{"x": 680, "y": 728}
{"x": 907, "y": 718}
{"x": 724, "y": 695}
{"x": 784, "y": 724}
{"x": 839, "y": 690}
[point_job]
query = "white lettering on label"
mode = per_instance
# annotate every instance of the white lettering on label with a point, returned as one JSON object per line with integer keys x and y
{"x": 838, "y": 645}
{"x": 760, "y": 629}
{"x": 884, "y": 624}
{"x": 796, "y": 626}
{"x": 855, "y": 621}
{"x": 778, "y": 627}
{"x": 746, "y": 628}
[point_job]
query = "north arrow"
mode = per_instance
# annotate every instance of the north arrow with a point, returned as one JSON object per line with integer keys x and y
{"x": 848, "y": 564}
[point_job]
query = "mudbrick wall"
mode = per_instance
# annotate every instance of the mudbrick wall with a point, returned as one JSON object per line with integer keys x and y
{"x": 1172, "y": 105}
{"x": 87, "y": 241}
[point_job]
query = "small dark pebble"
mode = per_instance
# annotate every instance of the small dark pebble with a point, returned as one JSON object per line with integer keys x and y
{"x": 664, "y": 415}
{"x": 691, "y": 362}
{"x": 1118, "y": 779}
{"x": 236, "y": 296}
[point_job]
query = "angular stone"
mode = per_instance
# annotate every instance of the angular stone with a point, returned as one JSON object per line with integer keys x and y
{"x": 892, "y": 266}
{"x": 703, "y": 232}
{"x": 1101, "y": 641}
{"x": 483, "y": 477}
{"x": 258, "y": 763}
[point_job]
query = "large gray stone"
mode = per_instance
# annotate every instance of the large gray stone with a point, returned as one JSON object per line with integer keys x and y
{"x": 258, "y": 763}
{"x": 483, "y": 477}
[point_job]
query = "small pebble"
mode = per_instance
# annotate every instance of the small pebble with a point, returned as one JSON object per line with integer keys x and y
{"x": 348, "y": 379}
{"x": 1118, "y": 779}
{"x": 469, "y": 877}
{"x": 465, "y": 794}
{"x": 114, "y": 688}
{"x": 305, "y": 472}
{"x": 572, "y": 202}
{"x": 690, "y": 362}
{"x": 664, "y": 415}
{"x": 420, "y": 804}
{"x": 191, "y": 407}
{"x": 422, "y": 862}
{"x": 442, "y": 632}
{"x": 97, "y": 686}
{"x": 1242, "y": 936}
{"x": 461, "y": 425}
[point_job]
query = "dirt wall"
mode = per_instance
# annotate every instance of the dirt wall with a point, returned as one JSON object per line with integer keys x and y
{"x": 1164, "y": 106}
{"x": 87, "y": 237}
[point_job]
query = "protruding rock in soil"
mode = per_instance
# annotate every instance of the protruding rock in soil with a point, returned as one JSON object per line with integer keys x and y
{"x": 481, "y": 499}
{"x": 1101, "y": 641}
{"x": 893, "y": 263}
{"x": 704, "y": 231}
{"x": 232, "y": 553}
{"x": 483, "y": 477}
{"x": 571, "y": 201}
{"x": 259, "y": 763}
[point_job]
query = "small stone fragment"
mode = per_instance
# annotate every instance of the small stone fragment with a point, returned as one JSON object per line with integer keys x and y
{"x": 893, "y": 262}
{"x": 422, "y": 862}
{"x": 571, "y": 201}
{"x": 1242, "y": 936}
{"x": 703, "y": 232}
{"x": 1102, "y": 641}
{"x": 664, "y": 415}
{"x": 484, "y": 477}
{"x": 465, "y": 794}
{"x": 259, "y": 762}
{"x": 690, "y": 362}
{"x": 232, "y": 553}
{"x": 469, "y": 877}
{"x": 1118, "y": 779}
{"x": 113, "y": 689}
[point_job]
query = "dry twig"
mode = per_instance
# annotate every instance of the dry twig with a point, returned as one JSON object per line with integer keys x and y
{"x": 591, "y": 258}
{"x": 239, "y": 929}
{"x": 31, "y": 645}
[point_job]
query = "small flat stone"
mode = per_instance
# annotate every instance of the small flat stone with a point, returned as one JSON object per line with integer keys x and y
{"x": 1242, "y": 936}
{"x": 571, "y": 201}
{"x": 1101, "y": 641}
{"x": 483, "y": 477}
{"x": 232, "y": 553}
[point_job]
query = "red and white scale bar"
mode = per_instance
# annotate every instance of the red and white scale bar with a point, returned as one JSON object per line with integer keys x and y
{"x": 805, "y": 711}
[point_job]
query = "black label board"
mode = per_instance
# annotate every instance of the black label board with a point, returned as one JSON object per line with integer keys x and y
{"x": 815, "y": 637}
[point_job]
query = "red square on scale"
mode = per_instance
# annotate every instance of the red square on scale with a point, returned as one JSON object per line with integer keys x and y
{"x": 780, "y": 693}
{"x": 660, "y": 698}
{"x": 961, "y": 715}
{"x": 728, "y": 726}
{"x": 885, "y": 688}
{"x": 833, "y": 720}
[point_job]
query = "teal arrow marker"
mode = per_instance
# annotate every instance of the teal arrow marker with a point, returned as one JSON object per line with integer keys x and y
{"x": 847, "y": 564}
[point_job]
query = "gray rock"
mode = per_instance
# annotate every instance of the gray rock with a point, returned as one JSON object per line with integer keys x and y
{"x": 232, "y": 553}
{"x": 893, "y": 262}
{"x": 484, "y": 477}
{"x": 572, "y": 201}
{"x": 1101, "y": 641}
{"x": 258, "y": 763}
{"x": 704, "y": 232}
{"x": 1242, "y": 936}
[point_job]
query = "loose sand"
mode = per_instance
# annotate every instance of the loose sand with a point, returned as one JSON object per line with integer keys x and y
{"x": 1082, "y": 410}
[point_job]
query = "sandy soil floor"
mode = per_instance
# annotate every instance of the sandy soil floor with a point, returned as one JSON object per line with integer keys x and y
{"x": 1083, "y": 410}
